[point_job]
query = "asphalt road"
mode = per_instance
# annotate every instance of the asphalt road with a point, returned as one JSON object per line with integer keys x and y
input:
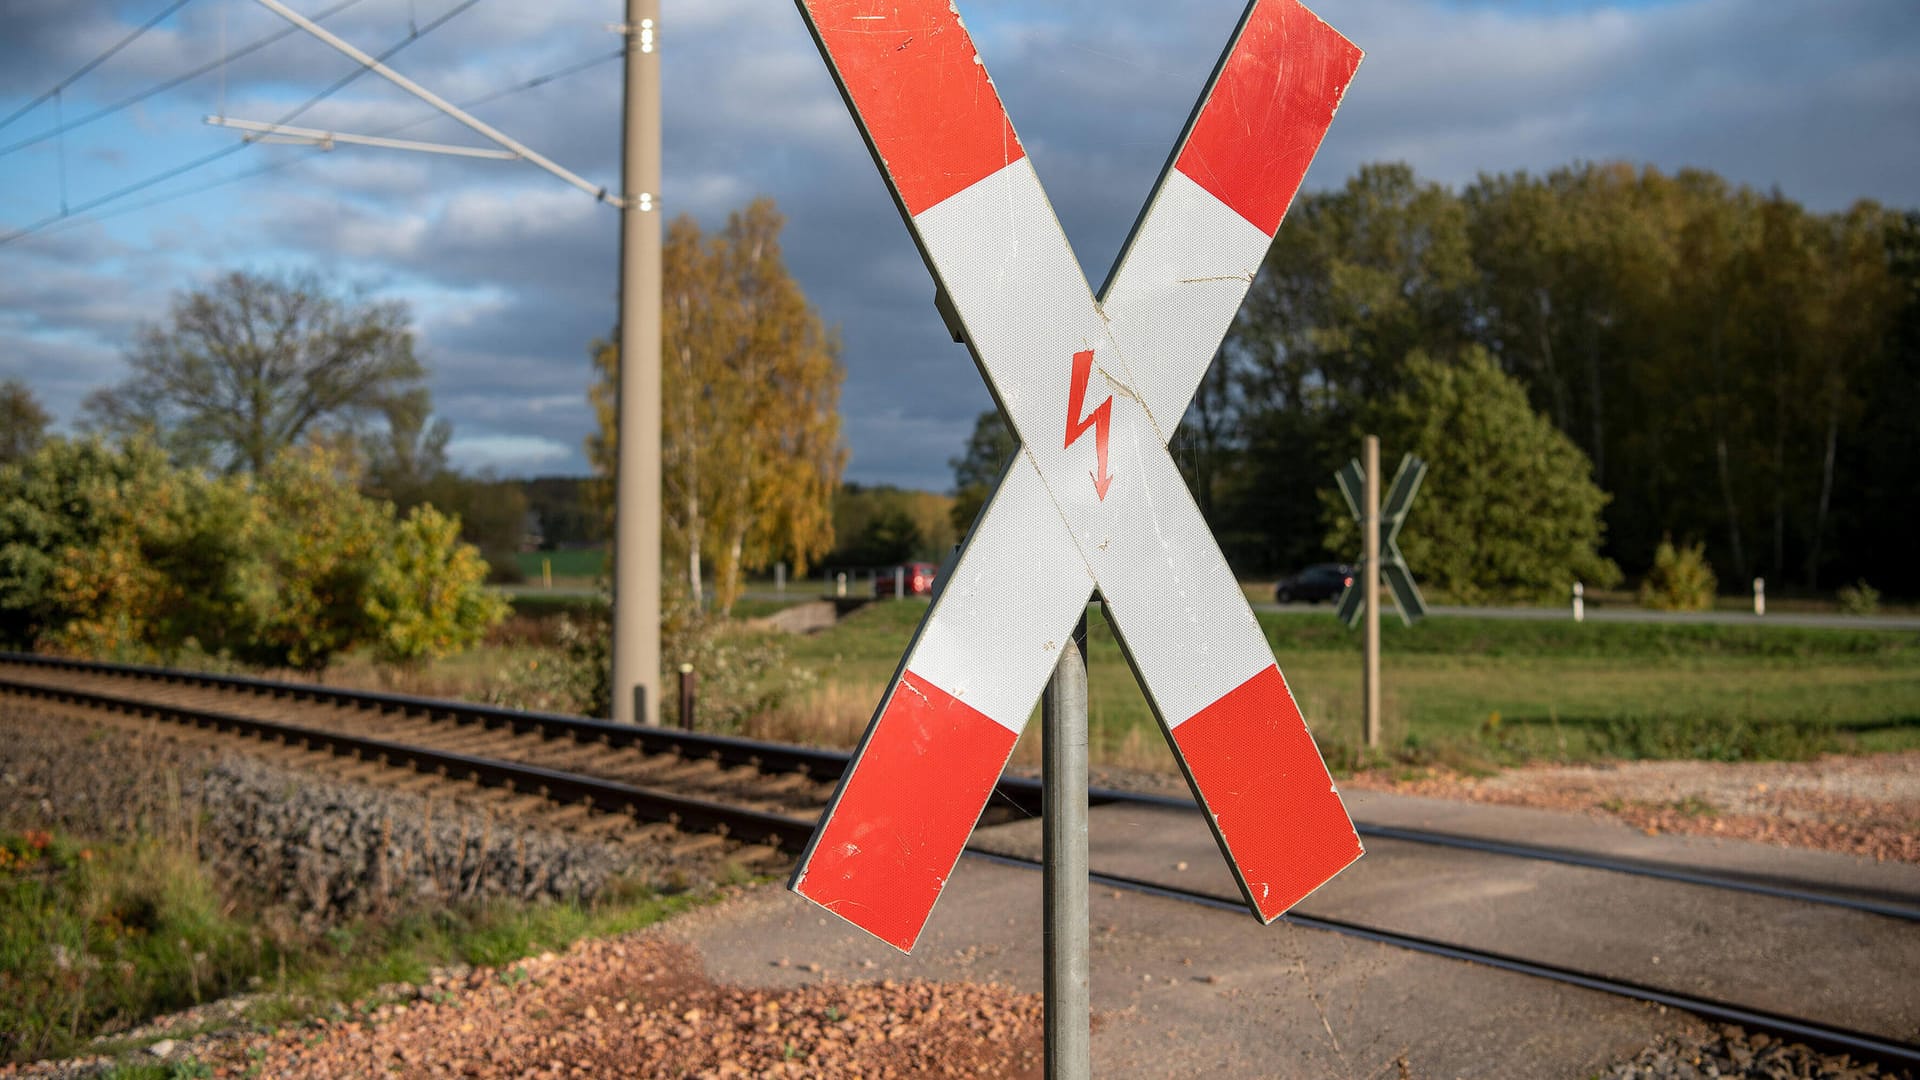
{"x": 1642, "y": 615}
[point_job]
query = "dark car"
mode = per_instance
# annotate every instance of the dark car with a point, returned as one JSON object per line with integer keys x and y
{"x": 915, "y": 577}
{"x": 1321, "y": 581}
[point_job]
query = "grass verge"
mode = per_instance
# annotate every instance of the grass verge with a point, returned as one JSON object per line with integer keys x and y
{"x": 96, "y": 938}
{"x": 1476, "y": 694}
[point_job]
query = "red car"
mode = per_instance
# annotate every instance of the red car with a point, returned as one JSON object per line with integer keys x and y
{"x": 916, "y": 577}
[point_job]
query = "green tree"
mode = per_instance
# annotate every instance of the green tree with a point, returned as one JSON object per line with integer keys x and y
{"x": 990, "y": 448}
{"x": 1357, "y": 278}
{"x": 405, "y": 463}
{"x": 1509, "y": 507}
{"x": 255, "y": 364}
{"x": 751, "y": 379}
{"x": 23, "y": 423}
{"x": 408, "y": 456}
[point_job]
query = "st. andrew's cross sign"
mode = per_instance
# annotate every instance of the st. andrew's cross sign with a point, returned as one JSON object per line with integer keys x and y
{"x": 1093, "y": 387}
{"x": 1393, "y": 514}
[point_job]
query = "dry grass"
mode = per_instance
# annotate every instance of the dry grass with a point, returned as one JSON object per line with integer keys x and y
{"x": 832, "y": 714}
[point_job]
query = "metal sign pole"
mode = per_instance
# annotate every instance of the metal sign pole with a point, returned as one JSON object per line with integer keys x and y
{"x": 1370, "y": 569}
{"x": 1063, "y": 748}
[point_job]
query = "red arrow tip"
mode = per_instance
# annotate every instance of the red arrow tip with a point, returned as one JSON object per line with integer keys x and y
{"x": 1099, "y": 420}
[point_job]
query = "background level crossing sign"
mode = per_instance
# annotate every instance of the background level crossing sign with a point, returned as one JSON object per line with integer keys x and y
{"x": 1093, "y": 386}
{"x": 1393, "y": 514}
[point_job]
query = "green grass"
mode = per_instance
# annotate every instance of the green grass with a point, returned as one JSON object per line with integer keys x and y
{"x": 1478, "y": 693}
{"x": 95, "y": 938}
{"x": 583, "y": 564}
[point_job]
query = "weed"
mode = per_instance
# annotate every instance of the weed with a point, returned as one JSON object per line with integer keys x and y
{"x": 1680, "y": 579}
{"x": 187, "y": 1069}
{"x": 1859, "y": 598}
{"x": 1694, "y": 806}
{"x": 95, "y": 938}
{"x": 1712, "y": 737}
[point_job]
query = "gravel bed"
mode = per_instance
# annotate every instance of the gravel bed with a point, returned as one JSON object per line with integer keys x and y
{"x": 636, "y": 1005}
{"x": 1863, "y": 805}
{"x": 1734, "y": 1052}
{"x": 327, "y": 850}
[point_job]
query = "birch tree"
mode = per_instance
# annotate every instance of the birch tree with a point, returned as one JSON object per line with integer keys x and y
{"x": 750, "y": 423}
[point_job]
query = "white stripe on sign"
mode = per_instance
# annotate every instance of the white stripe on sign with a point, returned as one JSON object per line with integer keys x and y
{"x": 1009, "y": 271}
{"x": 979, "y": 641}
{"x": 1176, "y": 292}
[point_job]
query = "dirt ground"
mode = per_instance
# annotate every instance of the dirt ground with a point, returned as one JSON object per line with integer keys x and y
{"x": 1867, "y": 806}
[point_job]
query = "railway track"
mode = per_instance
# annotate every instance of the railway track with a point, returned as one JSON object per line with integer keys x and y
{"x": 655, "y": 785}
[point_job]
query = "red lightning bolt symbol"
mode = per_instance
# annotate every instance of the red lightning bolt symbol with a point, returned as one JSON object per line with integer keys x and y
{"x": 1100, "y": 420}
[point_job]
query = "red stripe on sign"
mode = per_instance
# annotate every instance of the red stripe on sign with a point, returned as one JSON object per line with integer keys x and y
{"x": 1261, "y": 778}
{"x": 919, "y": 88}
{"x": 1267, "y": 112}
{"x": 899, "y": 825}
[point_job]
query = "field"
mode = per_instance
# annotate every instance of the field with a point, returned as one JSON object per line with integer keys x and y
{"x": 1479, "y": 693}
{"x": 578, "y": 567}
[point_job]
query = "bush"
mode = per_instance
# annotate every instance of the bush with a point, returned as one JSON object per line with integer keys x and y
{"x": 111, "y": 552}
{"x": 743, "y": 673}
{"x": 425, "y": 599}
{"x": 1681, "y": 579}
{"x": 1859, "y": 598}
{"x": 575, "y": 677}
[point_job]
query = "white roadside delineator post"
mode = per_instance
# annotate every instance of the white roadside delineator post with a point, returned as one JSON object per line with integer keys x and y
{"x": 1093, "y": 387}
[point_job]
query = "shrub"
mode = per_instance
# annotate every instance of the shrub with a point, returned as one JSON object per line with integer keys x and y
{"x": 1712, "y": 738}
{"x": 576, "y": 676}
{"x": 425, "y": 598}
{"x": 1681, "y": 579}
{"x": 1859, "y": 598}
{"x": 110, "y": 551}
{"x": 743, "y": 673}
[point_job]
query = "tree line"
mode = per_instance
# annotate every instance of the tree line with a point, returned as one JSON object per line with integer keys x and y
{"x": 1733, "y": 369}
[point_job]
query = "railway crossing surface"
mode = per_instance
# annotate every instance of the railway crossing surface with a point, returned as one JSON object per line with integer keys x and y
{"x": 1178, "y": 988}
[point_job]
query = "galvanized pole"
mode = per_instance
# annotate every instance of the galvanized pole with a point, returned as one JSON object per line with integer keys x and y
{"x": 1370, "y": 552}
{"x": 636, "y": 563}
{"x": 1063, "y": 749}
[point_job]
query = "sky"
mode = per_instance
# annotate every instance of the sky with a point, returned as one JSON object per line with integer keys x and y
{"x": 510, "y": 274}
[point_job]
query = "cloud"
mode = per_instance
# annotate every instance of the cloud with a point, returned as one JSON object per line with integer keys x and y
{"x": 511, "y": 274}
{"x": 506, "y": 454}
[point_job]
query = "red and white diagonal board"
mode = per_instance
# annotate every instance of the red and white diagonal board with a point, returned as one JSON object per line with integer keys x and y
{"x": 1093, "y": 387}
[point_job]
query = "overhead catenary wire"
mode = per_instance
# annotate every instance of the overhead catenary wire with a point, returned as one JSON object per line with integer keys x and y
{"x": 226, "y": 151}
{"x": 307, "y": 158}
{"x": 168, "y": 84}
{"x": 488, "y": 131}
{"x": 95, "y": 62}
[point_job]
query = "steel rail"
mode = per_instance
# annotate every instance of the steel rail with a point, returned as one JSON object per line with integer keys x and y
{"x": 1826, "y": 1036}
{"x": 1020, "y": 793}
{"x": 563, "y": 788}
{"x": 1758, "y": 885}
